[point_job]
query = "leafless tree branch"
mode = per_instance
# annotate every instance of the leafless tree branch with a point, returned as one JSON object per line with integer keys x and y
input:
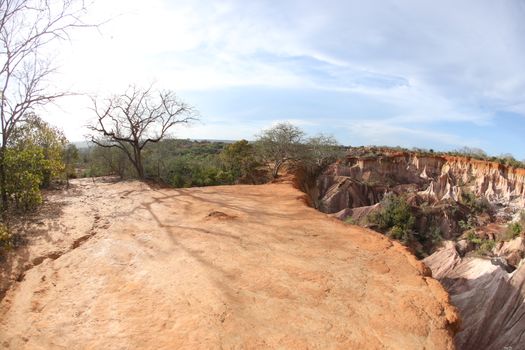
{"x": 139, "y": 116}
{"x": 26, "y": 27}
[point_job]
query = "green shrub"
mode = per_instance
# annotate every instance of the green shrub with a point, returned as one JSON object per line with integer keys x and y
{"x": 395, "y": 218}
{"x": 513, "y": 230}
{"x": 486, "y": 246}
{"x": 33, "y": 133}
{"x": 350, "y": 220}
{"x": 5, "y": 237}
{"x": 399, "y": 233}
{"x": 434, "y": 235}
{"x": 25, "y": 169}
{"x": 467, "y": 225}
{"x": 473, "y": 238}
{"x": 239, "y": 162}
{"x": 476, "y": 205}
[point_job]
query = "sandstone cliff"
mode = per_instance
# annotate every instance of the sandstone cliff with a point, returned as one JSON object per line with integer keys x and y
{"x": 357, "y": 182}
{"x": 491, "y": 301}
{"x": 125, "y": 266}
{"x": 489, "y": 296}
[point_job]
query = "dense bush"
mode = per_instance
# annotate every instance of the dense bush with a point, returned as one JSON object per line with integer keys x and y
{"x": 486, "y": 247}
{"x": 239, "y": 161}
{"x": 395, "y": 218}
{"x": 433, "y": 235}
{"x": 185, "y": 163}
{"x": 180, "y": 163}
{"x": 34, "y": 133}
{"x": 476, "y": 205}
{"x": 25, "y": 169}
{"x": 189, "y": 171}
{"x": 33, "y": 158}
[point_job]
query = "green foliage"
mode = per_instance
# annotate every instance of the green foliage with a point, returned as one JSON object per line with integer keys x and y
{"x": 350, "y": 220}
{"x": 473, "y": 238}
{"x": 514, "y": 229}
{"x": 187, "y": 171}
{"x": 433, "y": 235}
{"x": 185, "y": 163}
{"x": 24, "y": 175}
{"x": 476, "y": 205}
{"x": 5, "y": 237}
{"x": 469, "y": 224}
{"x": 34, "y": 132}
{"x": 238, "y": 159}
{"x": 395, "y": 218}
{"x": 179, "y": 163}
{"x": 31, "y": 160}
{"x": 399, "y": 233}
{"x": 486, "y": 246}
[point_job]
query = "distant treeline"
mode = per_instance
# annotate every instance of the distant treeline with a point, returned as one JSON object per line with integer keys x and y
{"x": 188, "y": 163}
{"x": 178, "y": 163}
{"x": 470, "y": 152}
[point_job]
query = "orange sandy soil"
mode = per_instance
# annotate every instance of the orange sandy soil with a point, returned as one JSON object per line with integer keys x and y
{"x": 125, "y": 266}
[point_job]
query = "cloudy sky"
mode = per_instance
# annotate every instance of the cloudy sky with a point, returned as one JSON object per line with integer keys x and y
{"x": 434, "y": 74}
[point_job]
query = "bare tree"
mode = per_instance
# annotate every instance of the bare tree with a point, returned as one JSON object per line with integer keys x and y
{"x": 279, "y": 145}
{"x": 139, "y": 116}
{"x": 26, "y": 27}
{"x": 322, "y": 150}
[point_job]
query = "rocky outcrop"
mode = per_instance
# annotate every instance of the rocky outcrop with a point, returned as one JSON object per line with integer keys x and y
{"x": 491, "y": 300}
{"x": 358, "y": 182}
{"x": 229, "y": 267}
{"x": 444, "y": 195}
{"x": 512, "y": 251}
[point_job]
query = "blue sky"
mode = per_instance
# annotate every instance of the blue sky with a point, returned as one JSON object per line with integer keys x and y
{"x": 440, "y": 74}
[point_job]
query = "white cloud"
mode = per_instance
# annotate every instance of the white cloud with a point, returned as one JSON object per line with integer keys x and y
{"x": 428, "y": 62}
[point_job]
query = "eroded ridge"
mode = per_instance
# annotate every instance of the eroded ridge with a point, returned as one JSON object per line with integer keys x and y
{"x": 223, "y": 267}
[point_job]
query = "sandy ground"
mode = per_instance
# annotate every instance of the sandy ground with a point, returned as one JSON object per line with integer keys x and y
{"x": 123, "y": 266}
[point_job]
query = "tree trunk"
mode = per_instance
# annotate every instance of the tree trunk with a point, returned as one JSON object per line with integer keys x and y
{"x": 276, "y": 168}
{"x": 138, "y": 163}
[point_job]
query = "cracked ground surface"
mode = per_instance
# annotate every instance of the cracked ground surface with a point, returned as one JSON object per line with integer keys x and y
{"x": 125, "y": 266}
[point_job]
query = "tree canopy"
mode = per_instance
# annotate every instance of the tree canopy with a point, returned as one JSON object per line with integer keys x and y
{"x": 131, "y": 120}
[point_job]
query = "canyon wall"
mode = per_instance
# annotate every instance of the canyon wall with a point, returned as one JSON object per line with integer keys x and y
{"x": 488, "y": 292}
{"x": 491, "y": 301}
{"x": 358, "y": 182}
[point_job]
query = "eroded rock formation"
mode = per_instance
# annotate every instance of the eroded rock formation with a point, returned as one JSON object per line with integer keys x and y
{"x": 490, "y": 291}
{"x": 490, "y": 299}
{"x": 357, "y": 182}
